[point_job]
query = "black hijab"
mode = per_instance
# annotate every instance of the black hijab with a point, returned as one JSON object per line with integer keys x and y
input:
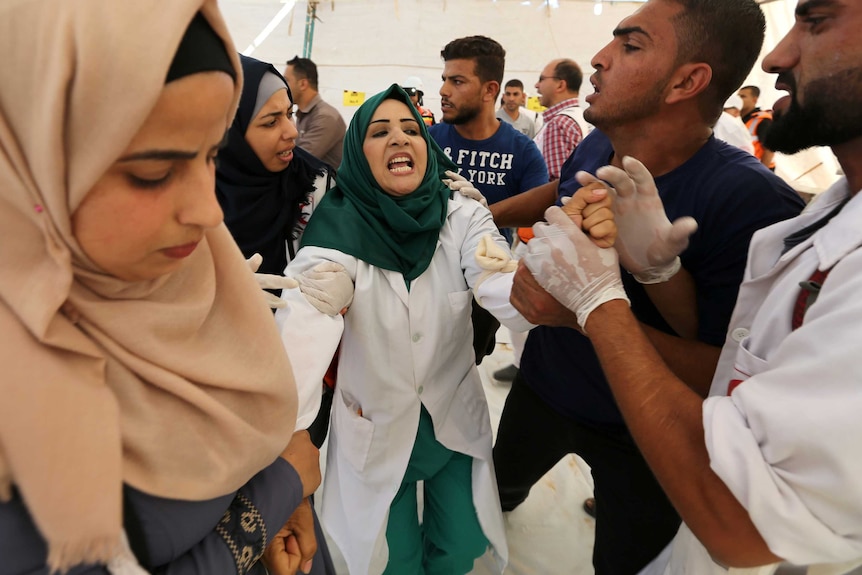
{"x": 261, "y": 208}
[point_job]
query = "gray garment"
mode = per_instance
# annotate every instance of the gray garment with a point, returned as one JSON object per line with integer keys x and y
{"x": 523, "y": 124}
{"x": 171, "y": 537}
{"x": 321, "y": 131}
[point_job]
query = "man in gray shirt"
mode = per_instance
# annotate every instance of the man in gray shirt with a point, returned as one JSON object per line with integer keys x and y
{"x": 512, "y": 111}
{"x": 321, "y": 127}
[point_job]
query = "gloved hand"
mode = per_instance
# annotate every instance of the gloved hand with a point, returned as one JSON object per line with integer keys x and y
{"x": 270, "y": 281}
{"x": 328, "y": 287}
{"x": 490, "y": 256}
{"x": 460, "y": 184}
{"x": 647, "y": 243}
{"x": 569, "y": 266}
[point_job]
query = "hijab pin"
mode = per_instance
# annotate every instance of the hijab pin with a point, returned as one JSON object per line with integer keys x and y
{"x": 39, "y": 209}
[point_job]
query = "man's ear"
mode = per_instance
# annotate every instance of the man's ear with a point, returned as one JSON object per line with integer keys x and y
{"x": 688, "y": 81}
{"x": 490, "y": 91}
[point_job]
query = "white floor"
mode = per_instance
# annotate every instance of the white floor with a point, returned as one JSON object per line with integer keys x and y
{"x": 549, "y": 534}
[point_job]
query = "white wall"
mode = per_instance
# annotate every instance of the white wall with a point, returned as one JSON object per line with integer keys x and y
{"x": 365, "y": 45}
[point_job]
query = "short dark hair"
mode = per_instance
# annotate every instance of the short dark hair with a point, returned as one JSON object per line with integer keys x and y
{"x": 755, "y": 91}
{"x": 515, "y": 83}
{"x": 725, "y": 34}
{"x": 569, "y": 71}
{"x": 489, "y": 56}
{"x": 304, "y": 68}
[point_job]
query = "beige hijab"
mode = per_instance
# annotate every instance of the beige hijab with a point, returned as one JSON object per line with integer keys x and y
{"x": 179, "y": 387}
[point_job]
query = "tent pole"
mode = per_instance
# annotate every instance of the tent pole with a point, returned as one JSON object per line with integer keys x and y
{"x": 310, "y": 17}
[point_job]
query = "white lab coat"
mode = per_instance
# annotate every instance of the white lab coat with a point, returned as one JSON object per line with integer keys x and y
{"x": 788, "y": 441}
{"x": 400, "y": 348}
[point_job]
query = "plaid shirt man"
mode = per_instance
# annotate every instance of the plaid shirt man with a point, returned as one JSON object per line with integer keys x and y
{"x": 559, "y": 137}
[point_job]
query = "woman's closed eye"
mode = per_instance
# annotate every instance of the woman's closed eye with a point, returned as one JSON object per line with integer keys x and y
{"x": 149, "y": 182}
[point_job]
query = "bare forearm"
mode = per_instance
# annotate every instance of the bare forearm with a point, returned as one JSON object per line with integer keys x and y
{"x": 665, "y": 417}
{"x": 691, "y": 361}
{"x": 676, "y": 301}
{"x": 524, "y": 209}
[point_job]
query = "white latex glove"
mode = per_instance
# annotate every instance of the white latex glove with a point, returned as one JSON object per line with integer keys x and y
{"x": 490, "y": 256}
{"x": 569, "y": 266}
{"x": 460, "y": 184}
{"x": 328, "y": 287}
{"x": 270, "y": 281}
{"x": 647, "y": 243}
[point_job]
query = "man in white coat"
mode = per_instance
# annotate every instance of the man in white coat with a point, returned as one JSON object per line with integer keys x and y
{"x": 767, "y": 469}
{"x": 730, "y": 128}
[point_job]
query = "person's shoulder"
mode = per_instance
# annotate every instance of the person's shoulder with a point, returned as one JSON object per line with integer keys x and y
{"x": 441, "y": 131}
{"x": 463, "y": 210}
{"x": 325, "y": 108}
{"x": 721, "y": 162}
{"x": 724, "y": 173}
{"x": 507, "y": 132}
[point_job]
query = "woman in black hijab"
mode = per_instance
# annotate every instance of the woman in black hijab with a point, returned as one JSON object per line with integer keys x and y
{"x": 266, "y": 185}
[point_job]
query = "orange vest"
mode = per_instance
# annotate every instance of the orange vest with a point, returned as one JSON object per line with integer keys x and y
{"x": 427, "y": 116}
{"x": 752, "y": 124}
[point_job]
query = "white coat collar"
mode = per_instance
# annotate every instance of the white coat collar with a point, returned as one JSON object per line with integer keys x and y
{"x": 844, "y": 233}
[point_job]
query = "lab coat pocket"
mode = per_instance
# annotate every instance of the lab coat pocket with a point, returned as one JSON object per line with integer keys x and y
{"x": 354, "y": 431}
{"x": 468, "y": 420}
{"x": 746, "y": 365}
{"x": 459, "y": 302}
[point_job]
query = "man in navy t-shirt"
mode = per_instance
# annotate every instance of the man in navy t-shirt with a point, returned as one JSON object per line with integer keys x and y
{"x": 656, "y": 98}
{"x": 497, "y": 159}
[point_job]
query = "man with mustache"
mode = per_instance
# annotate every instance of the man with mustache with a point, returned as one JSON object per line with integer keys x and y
{"x": 659, "y": 86}
{"x": 497, "y": 159}
{"x": 766, "y": 470}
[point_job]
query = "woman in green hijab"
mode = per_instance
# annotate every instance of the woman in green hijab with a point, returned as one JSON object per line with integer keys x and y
{"x": 409, "y": 404}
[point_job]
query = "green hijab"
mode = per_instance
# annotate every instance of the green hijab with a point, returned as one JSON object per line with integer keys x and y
{"x": 358, "y": 218}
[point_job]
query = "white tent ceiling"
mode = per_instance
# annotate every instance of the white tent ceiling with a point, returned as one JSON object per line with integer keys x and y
{"x": 365, "y": 45}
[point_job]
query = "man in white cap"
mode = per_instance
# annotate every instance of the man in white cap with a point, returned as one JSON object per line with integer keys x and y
{"x": 730, "y": 128}
{"x": 415, "y": 89}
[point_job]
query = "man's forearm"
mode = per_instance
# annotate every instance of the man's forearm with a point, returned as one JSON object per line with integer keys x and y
{"x": 676, "y": 301}
{"x": 526, "y": 208}
{"x": 665, "y": 418}
{"x": 691, "y": 361}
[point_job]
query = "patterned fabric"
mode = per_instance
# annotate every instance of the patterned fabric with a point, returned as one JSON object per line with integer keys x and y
{"x": 244, "y": 533}
{"x": 562, "y": 134}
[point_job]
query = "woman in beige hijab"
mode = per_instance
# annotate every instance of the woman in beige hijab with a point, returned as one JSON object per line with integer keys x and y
{"x": 145, "y": 396}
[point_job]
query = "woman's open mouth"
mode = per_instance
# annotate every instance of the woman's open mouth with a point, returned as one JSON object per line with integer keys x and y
{"x": 400, "y": 165}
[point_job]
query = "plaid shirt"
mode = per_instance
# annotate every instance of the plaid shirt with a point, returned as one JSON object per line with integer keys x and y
{"x": 561, "y": 136}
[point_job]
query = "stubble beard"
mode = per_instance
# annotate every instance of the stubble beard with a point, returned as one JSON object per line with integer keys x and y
{"x": 464, "y": 115}
{"x": 620, "y": 114}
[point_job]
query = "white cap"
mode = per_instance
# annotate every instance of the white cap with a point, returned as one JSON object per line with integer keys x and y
{"x": 413, "y": 82}
{"x": 733, "y": 102}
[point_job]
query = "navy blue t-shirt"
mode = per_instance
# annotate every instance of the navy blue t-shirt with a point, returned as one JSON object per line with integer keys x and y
{"x": 731, "y": 195}
{"x": 501, "y": 166}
